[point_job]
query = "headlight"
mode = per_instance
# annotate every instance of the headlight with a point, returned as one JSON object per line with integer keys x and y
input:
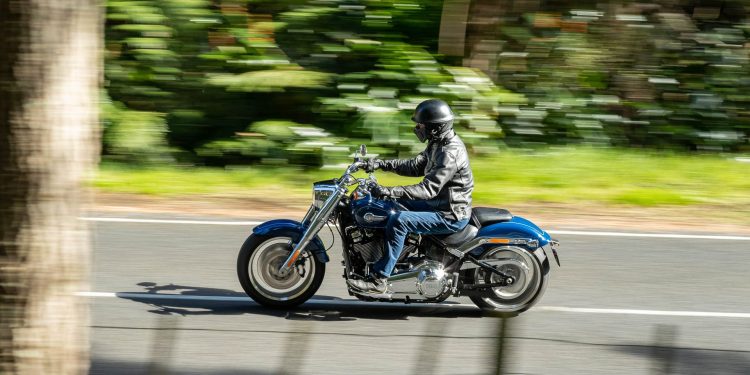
{"x": 321, "y": 192}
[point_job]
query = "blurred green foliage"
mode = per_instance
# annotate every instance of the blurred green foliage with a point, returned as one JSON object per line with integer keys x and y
{"x": 300, "y": 82}
{"x": 274, "y": 142}
{"x": 134, "y": 135}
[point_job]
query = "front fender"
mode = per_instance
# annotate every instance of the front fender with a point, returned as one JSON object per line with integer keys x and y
{"x": 285, "y": 225}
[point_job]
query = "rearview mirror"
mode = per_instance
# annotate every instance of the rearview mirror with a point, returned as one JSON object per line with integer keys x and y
{"x": 362, "y": 150}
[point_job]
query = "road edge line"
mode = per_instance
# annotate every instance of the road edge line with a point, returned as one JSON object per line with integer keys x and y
{"x": 553, "y": 231}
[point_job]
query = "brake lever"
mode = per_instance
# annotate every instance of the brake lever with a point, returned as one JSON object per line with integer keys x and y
{"x": 357, "y": 165}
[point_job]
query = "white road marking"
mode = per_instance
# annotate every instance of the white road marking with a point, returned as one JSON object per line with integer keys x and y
{"x": 162, "y": 221}
{"x": 563, "y": 232}
{"x": 579, "y": 310}
{"x": 651, "y": 235}
{"x": 700, "y": 314}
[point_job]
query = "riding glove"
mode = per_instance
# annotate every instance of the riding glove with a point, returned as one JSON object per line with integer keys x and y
{"x": 380, "y": 191}
{"x": 373, "y": 164}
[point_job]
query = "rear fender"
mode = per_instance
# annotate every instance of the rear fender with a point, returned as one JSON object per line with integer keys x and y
{"x": 518, "y": 228}
{"x": 286, "y": 226}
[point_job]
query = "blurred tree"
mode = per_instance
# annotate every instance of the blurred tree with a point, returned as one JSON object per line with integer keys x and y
{"x": 49, "y": 79}
{"x": 192, "y": 74}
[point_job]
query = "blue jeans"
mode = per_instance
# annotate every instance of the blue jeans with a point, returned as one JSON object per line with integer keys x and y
{"x": 400, "y": 224}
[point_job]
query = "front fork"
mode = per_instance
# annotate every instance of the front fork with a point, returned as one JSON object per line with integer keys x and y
{"x": 553, "y": 244}
{"x": 316, "y": 223}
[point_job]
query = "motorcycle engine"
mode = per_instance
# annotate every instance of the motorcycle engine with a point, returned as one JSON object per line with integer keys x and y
{"x": 431, "y": 280}
{"x": 434, "y": 252}
{"x": 370, "y": 251}
{"x": 371, "y": 246}
{"x": 427, "y": 279}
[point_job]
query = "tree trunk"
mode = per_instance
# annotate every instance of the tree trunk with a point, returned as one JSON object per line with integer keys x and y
{"x": 452, "y": 40}
{"x": 49, "y": 78}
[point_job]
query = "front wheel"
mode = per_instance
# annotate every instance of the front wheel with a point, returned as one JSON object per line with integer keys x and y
{"x": 258, "y": 270}
{"x": 528, "y": 272}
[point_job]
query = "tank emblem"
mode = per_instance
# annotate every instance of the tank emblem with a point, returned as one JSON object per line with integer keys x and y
{"x": 369, "y": 217}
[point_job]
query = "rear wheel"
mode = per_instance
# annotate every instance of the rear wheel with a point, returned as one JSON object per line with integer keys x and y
{"x": 526, "y": 270}
{"x": 258, "y": 270}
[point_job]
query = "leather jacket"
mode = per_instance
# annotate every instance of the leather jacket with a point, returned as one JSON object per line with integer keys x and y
{"x": 448, "y": 181}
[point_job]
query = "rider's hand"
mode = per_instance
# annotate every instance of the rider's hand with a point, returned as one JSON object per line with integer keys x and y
{"x": 372, "y": 164}
{"x": 379, "y": 191}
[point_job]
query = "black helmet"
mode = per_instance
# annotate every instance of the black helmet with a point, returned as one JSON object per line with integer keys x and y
{"x": 437, "y": 118}
{"x": 432, "y": 111}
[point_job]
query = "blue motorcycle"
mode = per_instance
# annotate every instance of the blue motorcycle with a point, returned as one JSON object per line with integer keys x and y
{"x": 498, "y": 260}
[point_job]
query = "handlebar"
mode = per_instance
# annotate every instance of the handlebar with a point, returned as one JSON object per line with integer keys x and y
{"x": 348, "y": 180}
{"x": 365, "y": 183}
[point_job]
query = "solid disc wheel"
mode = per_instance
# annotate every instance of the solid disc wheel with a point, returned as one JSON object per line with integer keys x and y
{"x": 258, "y": 270}
{"x": 526, "y": 270}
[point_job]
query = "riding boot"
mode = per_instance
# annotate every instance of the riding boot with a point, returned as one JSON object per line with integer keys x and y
{"x": 370, "y": 284}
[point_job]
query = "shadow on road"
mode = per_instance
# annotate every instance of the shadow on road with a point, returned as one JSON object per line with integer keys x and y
{"x": 690, "y": 361}
{"x": 325, "y": 308}
{"x": 101, "y": 366}
{"x": 666, "y": 358}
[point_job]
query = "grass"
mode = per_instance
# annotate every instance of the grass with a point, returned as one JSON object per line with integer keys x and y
{"x": 565, "y": 175}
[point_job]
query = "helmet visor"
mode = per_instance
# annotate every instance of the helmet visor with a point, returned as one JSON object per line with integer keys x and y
{"x": 420, "y": 130}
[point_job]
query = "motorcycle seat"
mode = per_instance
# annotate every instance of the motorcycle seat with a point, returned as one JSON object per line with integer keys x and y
{"x": 483, "y": 216}
{"x": 458, "y": 238}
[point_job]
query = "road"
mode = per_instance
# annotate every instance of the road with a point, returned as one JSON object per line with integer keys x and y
{"x": 618, "y": 305}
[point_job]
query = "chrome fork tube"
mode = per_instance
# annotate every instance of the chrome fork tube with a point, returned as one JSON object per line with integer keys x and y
{"x": 316, "y": 224}
{"x": 308, "y": 216}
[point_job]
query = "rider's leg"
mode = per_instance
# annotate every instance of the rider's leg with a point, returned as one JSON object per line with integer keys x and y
{"x": 416, "y": 205}
{"x": 399, "y": 226}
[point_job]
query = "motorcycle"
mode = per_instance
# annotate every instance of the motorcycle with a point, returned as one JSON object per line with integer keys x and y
{"x": 498, "y": 260}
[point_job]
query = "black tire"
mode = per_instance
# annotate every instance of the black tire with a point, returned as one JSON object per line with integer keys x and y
{"x": 526, "y": 298}
{"x": 252, "y": 283}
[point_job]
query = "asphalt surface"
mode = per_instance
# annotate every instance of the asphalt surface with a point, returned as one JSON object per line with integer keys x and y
{"x": 638, "y": 291}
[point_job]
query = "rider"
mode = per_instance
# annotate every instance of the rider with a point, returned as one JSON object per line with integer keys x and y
{"x": 439, "y": 204}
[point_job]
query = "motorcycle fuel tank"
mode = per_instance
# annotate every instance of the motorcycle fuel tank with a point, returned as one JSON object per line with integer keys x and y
{"x": 370, "y": 212}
